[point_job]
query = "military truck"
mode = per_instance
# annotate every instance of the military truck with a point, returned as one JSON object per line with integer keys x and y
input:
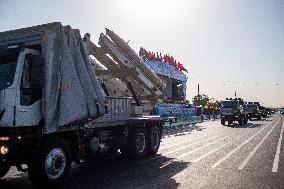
{"x": 53, "y": 111}
{"x": 232, "y": 110}
{"x": 253, "y": 111}
{"x": 263, "y": 111}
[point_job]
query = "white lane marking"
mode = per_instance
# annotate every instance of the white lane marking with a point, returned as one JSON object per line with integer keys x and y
{"x": 195, "y": 138}
{"x": 208, "y": 127}
{"x": 245, "y": 162}
{"x": 183, "y": 147}
{"x": 180, "y": 148}
{"x": 183, "y": 155}
{"x": 170, "y": 140}
{"x": 276, "y": 158}
{"x": 187, "y": 153}
{"x": 237, "y": 148}
{"x": 216, "y": 149}
{"x": 167, "y": 163}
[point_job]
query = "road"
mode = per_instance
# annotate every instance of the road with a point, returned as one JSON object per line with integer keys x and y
{"x": 206, "y": 155}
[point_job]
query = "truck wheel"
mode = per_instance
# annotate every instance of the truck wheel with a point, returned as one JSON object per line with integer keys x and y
{"x": 4, "y": 168}
{"x": 53, "y": 165}
{"x": 222, "y": 122}
{"x": 136, "y": 145}
{"x": 154, "y": 138}
{"x": 240, "y": 121}
{"x": 245, "y": 120}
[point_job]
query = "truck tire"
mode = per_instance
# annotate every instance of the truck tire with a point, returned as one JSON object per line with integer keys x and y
{"x": 222, "y": 122}
{"x": 245, "y": 120}
{"x": 240, "y": 121}
{"x": 136, "y": 147}
{"x": 154, "y": 138}
{"x": 4, "y": 168}
{"x": 53, "y": 165}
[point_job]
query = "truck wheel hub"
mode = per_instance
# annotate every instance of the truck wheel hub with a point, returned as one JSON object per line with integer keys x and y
{"x": 55, "y": 163}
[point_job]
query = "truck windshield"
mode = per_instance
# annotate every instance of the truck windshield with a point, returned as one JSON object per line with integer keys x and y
{"x": 230, "y": 104}
{"x": 251, "y": 106}
{"x": 8, "y": 64}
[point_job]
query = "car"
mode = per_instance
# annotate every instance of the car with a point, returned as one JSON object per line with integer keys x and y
{"x": 282, "y": 111}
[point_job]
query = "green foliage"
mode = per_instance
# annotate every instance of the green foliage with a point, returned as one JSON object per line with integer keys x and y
{"x": 201, "y": 100}
{"x": 205, "y": 102}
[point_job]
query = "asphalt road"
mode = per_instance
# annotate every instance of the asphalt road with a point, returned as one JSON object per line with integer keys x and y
{"x": 206, "y": 155}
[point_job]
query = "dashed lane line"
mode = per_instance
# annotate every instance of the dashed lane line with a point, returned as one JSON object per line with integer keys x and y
{"x": 276, "y": 158}
{"x": 168, "y": 140}
{"x": 165, "y": 145}
{"x": 187, "y": 153}
{"x": 237, "y": 148}
{"x": 245, "y": 162}
{"x": 190, "y": 152}
{"x": 216, "y": 149}
{"x": 191, "y": 139}
{"x": 178, "y": 149}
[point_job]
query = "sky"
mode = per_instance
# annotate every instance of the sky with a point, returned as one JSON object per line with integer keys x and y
{"x": 226, "y": 45}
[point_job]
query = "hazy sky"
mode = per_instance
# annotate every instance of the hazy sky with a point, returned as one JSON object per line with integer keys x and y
{"x": 227, "y": 45}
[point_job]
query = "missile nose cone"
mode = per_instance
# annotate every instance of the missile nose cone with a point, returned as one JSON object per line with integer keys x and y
{"x": 87, "y": 36}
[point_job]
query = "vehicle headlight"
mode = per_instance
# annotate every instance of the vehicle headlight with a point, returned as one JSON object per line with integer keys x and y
{"x": 4, "y": 138}
{"x": 4, "y": 150}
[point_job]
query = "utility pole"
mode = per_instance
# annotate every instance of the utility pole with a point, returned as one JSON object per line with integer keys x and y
{"x": 198, "y": 89}
{"x": 198, "y": 95}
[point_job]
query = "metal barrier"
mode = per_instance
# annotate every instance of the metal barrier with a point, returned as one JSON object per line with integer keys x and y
{"x": 179, "y": 121}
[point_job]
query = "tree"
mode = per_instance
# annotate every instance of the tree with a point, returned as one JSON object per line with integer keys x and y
{"x": 201, "y": 100}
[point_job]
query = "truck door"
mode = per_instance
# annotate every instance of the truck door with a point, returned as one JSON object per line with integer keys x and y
{"x": 28, "y": 111}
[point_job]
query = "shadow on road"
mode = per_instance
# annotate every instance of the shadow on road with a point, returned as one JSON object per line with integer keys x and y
{"x": 113, "y": 172}
{"x": 121, "y": 173}
{"x": 181, "y": 130}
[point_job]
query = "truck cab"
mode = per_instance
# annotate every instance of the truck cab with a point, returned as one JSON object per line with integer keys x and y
{"x": 20, "y": 86}
{"x": 253, "y": 111}
{"x": 232, "y": 110}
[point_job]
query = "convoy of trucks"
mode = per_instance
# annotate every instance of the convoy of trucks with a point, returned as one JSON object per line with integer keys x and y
{"x": 236, "y": 109}
{"x": 64, "y": 99}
